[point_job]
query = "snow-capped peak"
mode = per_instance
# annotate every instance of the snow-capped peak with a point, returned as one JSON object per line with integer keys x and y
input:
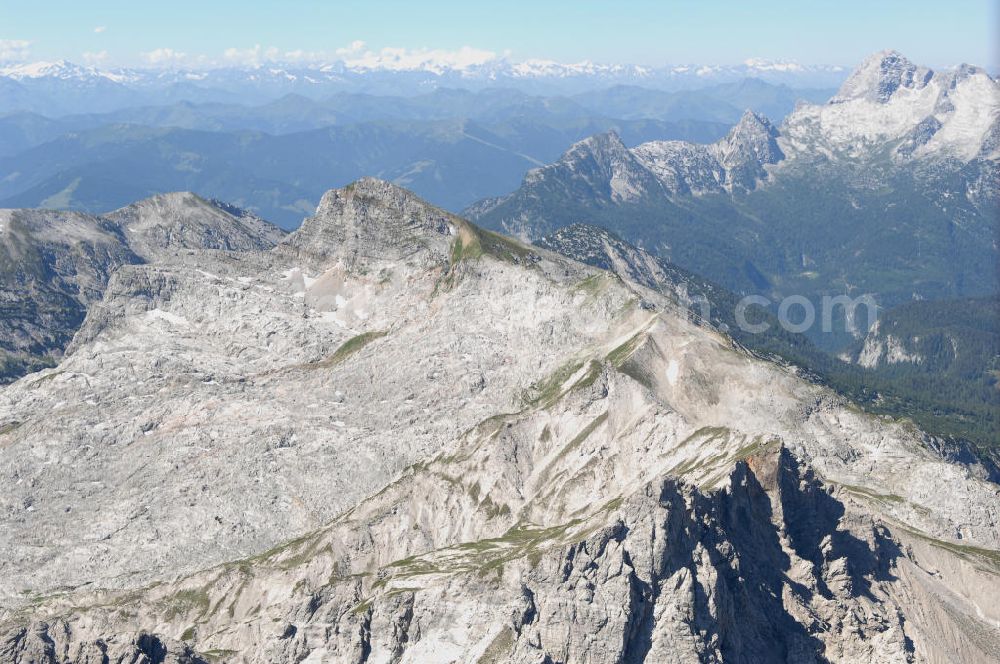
{"x": 880, "y": 76}
{"x": 436, "y": 61}
{"x": 552, "y": 69}
{"x": 466, "y": 63}
{"x": 58, "y": 69}
{"x": 889, "y": 102}
{"x": 760, "y": 64}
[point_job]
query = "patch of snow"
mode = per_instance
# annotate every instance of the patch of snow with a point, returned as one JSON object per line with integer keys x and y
{"x": 171, "y": 318}
{"x": 673, "y": 370}
{"x": 437, "y": 61}
{"x": 299, "y": 278}
{"x": 760, "y": 64}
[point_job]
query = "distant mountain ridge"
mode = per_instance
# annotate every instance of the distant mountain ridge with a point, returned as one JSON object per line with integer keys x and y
{"x": 386, "y": 77}
{"x": 101, "y": 143}
{"x": 890, "y": 188}
{"x": 452, "y": 161}
{"x": 292, "y": 111}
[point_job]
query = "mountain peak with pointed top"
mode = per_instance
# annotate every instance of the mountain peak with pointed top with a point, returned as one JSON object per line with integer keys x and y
{"x": 891, "y": 104}
{"x": 603, "y": 142}
{"x": 748, "y": 146}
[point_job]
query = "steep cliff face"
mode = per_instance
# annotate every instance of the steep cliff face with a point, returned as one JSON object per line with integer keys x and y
{"x": 771, "y": 566}
{"x": 747, "y": 150}
{"x": 737, "y": 162}
{"x": 460, "y": 448}
{"x": 889, "y": 102}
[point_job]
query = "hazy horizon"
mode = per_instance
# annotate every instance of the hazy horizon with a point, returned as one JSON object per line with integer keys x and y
{"x": 109, "y": 34}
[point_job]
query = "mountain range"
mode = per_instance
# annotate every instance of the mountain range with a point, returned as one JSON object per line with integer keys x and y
{"x": 69, "y": 87}
{"x": 276, "y": 158}
{"x": 932, "y": 361}
{"x": 560, "y": 466}
{"x": 293, "y": 112}
{"x": 888, "y": 189}
{"x": 453, "y": 161}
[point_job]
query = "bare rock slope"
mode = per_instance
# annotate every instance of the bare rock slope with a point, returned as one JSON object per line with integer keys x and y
{"x": 54, "y": 265}
{"x": 397, "y": 437}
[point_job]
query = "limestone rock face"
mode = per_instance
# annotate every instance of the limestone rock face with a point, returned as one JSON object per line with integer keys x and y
{"x": 374, "y": 220}
{"x": 54, "y": 265}
{"x": 889, "y": 104}
{"x": 880, "y": 76}
{"x": 396, "y": 437}
{"x": 41, "y": 642}
{"x": 182, "y": 220}
{"x": 747, "y": 149}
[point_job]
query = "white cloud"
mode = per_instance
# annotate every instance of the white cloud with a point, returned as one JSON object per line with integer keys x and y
{"x": 299, "y": 56}
{"x": 14, "y": 49}
{"x": 95, "y": 59}
{"x": 165, "y": 57}
{"x": 354, "y": 48}
{"x": 354, "y": 55}
{"x": 259, "y": 55}
{"x": 436, "y": 60}
{"x": 251, "y": 57}
{"x": 101, "y": 28}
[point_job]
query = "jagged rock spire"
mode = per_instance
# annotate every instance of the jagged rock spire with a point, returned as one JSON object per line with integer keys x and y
{"x": 746, "y": 148}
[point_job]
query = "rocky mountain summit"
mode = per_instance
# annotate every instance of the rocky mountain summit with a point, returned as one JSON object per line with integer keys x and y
{"x": 735, "y": 162}
{"x": 54, "y": 265}
{"x": 891, "y": 103}
{"x": 603, "y": 171}
{"x": 880, "y": 76}
{"x": 172, "y": 222}
{"x": 398, "y": 437}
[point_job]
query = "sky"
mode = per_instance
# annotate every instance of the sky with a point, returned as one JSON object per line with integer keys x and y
{"x": 648, "y": 32}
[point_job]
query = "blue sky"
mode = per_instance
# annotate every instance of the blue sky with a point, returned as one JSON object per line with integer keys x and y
{"x": 638, "y": 31}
